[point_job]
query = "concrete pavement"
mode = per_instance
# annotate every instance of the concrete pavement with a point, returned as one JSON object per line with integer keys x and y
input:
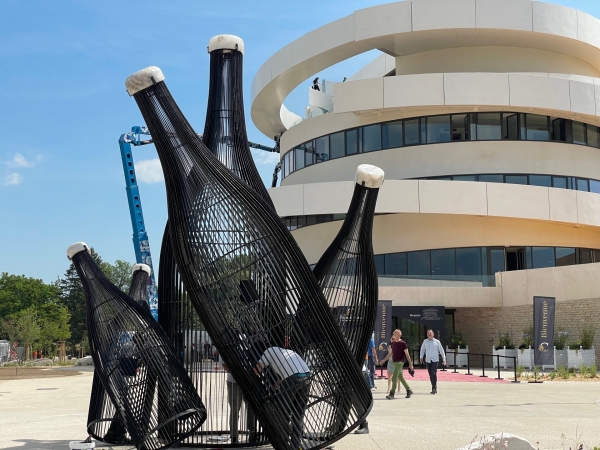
{"x": 48, "y": 413}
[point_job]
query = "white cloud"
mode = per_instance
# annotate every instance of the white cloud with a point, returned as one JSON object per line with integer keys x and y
{"x": 149, "y": 170}
{"x": 12, "y": 179}
{"x": 20, "y": 161}
{"x": 267, "y": 158}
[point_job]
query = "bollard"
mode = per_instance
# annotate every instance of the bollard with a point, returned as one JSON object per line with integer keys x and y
{"x": 455, "y": 358}
{"x": 498, "y": 365}
{"x": 515, "y": 369}
{"x": 468, "y": 365}
{"x": 483, "y": 366}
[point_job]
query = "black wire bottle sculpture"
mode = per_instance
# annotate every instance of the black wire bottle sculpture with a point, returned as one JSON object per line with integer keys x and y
{"x": 131, "y": 355}
{"x": 347, "y": 274}
{"x": 251, "y": 285}
{"x": 225, "y": 136}
{"x": 104, "y": 423}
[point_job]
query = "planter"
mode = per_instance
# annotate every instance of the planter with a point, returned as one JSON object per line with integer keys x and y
{"x": 526, "y": 358}
{"x": 577, "y": 357}
{"x": 461, "y": 356}
{"x": 560, "y": 360}
{"x": 505, "y": 363}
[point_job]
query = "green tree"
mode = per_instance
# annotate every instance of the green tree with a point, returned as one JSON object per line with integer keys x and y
{"x": 18, "y": 292}
{"x": 54, "y": 322}
{"x": 25, "y": 328}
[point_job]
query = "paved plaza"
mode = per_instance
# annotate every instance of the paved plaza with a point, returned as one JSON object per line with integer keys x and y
{"x": 47, "y": 413}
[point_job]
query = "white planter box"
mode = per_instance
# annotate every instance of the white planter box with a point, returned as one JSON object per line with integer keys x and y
{"x": 575, "y": 358}
{"x": 461, "y": 357}
{"x": 505, "y": 363}
{"x": 560, "y": 360}
{"x": 526, "y": 358}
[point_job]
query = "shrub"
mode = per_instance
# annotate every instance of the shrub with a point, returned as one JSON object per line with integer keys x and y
{"x": 587, "y": 337}
{"x": 527, "y": 336}
{"x": 505, "y": 340}
{"x": 520, "y": 370}
{"x": 583, "y": 370}
{"x": 561, "y": 336}
{"x": 592, "y": 370}
{"x": 457, "y": 341}
{"x": 552, "y": 375}
{"x": 563, "y": 372}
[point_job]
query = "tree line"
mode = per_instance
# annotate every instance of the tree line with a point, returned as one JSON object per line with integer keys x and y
{"x": 37, "y": 315}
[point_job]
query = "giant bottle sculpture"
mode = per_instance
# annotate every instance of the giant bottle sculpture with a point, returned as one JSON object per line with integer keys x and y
{"x": 104, "y": 423}
{"x": 131, "y": 354}
{"x": 249, "y": 281}
{"x": 225, "y": 136}
{"x": 346, "y": 272}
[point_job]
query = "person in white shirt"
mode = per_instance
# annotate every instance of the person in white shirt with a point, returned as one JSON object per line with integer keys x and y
{"x": 430, "y": 351}
{"x": 294, "y": 384}
{"x": 235, "y": 398}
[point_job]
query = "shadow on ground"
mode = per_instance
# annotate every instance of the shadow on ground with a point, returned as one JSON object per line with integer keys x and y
{"x": 32, "y": 444}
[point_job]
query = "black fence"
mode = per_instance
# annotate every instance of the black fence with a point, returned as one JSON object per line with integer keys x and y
{"x": 472, "y": 364}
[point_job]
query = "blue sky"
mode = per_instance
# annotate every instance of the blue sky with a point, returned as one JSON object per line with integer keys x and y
{"x": 63, "y": 107}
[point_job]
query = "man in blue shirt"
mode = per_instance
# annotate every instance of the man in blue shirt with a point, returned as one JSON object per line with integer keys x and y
{"x": 430, "y": 350}
{"x": 372, "y": 360}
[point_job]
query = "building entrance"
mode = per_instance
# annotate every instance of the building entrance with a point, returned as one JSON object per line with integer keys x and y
{"x": 414, "y": 321}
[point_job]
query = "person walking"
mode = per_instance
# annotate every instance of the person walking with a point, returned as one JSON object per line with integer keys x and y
{"x": 372, "y": 360}
{"x": 390, "y": 364}
{"x": 431, "y": 349}
{"x": 399, "y": 356}
{"x": 315, "y": 85}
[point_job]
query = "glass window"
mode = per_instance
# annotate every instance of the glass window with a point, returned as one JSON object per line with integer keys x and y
{"x": 488, "y": 126}
{"x": 537, "y": 127}
{"x": 468, "y": 262}
{"x": 582, "y": 185}
{"x": 443, "y": 263}
{"x": 372, "y": 138}
{"x": 311, "y": 220}
{"x": 309, "y": 155}
{"x": 565, "y": 256}
{"x": 578, "y": 133}
{"x": 336, "y": 145}
{"x": 510, "y": 126}
{"x": 352, "y": 142}
{"x": 286, "y": 167}
{"x": 438, "y": 129}
{"x": 299, "y": 157}
{"x": 523, "y": 133}
{"x": 543, "y": 257}
{"x": 395, "y": 264}
{"x": 423, "y": 123}
{"x": 322, "y": 149}
{"x": 301, "y": 221}
{"x": 496, "y": 260}
{"x": 465, "y": 178}
{"x": 492, "y": 178}
{"x": 592, "y": 136}
{"x": 323, "y": 218}
{"x": 559, "y": 182}
{"x": 338, "y": 216}
{"x": 540, "y": 180}
{"x": 460, "y": 127}
{"x": 595, "y": 186}
{"x": 528, "y": 258}
{"x": 516, "y": 179}
{"x": 380, "y": 264}
{"x": 586, "y": 256}
{"x": 558, "y": 130}
{"x": 391, "y": 134}
{"x": 411, "y": 132}
{"x": 418, "y": 263}
{"x": 293, "y": 223}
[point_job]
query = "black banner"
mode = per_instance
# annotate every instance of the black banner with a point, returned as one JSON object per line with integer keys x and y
{"x": 383, "y": 327}
{"x": 543, "y": 330}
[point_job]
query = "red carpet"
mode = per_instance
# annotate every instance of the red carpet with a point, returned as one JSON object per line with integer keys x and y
{"x": 449, "y": 375}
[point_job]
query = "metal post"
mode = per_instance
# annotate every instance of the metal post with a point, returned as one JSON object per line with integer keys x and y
{"x": 483, "y": 366}
{"x": 515, "y": 369}
{"x": 468, "y": 365}
{"x": 455, "y": 358}
{"x": 498, "y": 357}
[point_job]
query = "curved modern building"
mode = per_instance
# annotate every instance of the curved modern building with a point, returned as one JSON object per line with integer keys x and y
{"x": 484, "y": 115}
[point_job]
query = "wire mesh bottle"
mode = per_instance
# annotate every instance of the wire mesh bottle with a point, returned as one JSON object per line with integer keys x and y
{"x": 251, "y": 285}
{"x": 104, "y": 423}
{"x": 230, "y": 420}
{"x": 347, "y": 274}
{"x": 132, "y": 357}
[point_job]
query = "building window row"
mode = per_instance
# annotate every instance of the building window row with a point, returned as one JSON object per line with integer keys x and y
{"x": 555, "y": 181}
{"x": 478, "y": 264}
{"x": 294, "y": 222}
{"x": 488, "y": 126}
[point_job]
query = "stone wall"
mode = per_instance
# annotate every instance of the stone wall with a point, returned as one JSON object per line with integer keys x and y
{"x": 481, "y": 327}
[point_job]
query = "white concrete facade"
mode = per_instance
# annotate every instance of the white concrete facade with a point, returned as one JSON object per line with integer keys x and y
{"x": 442, "y": 57}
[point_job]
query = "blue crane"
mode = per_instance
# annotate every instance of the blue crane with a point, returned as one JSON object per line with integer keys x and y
{"x": 136, "y": 137}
